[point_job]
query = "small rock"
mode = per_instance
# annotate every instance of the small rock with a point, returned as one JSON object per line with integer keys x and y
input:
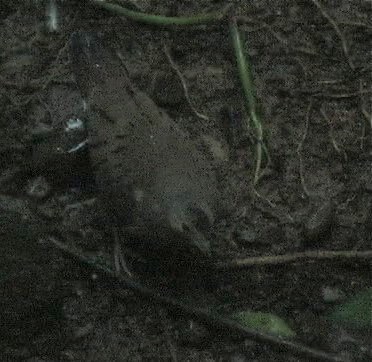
{"x": 38, "y": 188}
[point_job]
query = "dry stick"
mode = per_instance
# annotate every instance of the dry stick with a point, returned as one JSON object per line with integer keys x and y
{"x": 338, "y": 32}
{"x": 183, "y": 82}
{"x": 222, "y": 324}
{"x": 295, "y": 257}
{"x": 300, "y": 146}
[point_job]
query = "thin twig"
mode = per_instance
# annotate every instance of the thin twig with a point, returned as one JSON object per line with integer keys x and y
{"x": 345, "y": 48}
{"x": 183, "y": 82}
{"x": 226, "y": 325}
{"x": 295, "y": 257}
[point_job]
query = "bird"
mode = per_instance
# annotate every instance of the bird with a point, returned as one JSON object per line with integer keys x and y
{"x": 155, "y": 183}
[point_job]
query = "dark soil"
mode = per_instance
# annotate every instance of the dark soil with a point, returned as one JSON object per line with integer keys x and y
{"x": 314, "y": 91}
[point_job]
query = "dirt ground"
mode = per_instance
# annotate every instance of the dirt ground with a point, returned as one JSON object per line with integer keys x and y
{"x": 312, "y": 69}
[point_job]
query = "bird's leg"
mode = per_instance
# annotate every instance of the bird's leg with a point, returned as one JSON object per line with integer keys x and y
{"x": 119, "y": 259}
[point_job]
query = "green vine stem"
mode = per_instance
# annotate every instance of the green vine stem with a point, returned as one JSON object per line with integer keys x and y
{"x": 245, "y": 75}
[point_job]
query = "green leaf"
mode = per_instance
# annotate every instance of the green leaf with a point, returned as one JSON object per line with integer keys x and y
{"x": 355, "y": 312}
{"x": 264, "y": 322}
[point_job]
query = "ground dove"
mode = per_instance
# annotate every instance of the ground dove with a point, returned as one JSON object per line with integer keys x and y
{"x": 155, "y": 183}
